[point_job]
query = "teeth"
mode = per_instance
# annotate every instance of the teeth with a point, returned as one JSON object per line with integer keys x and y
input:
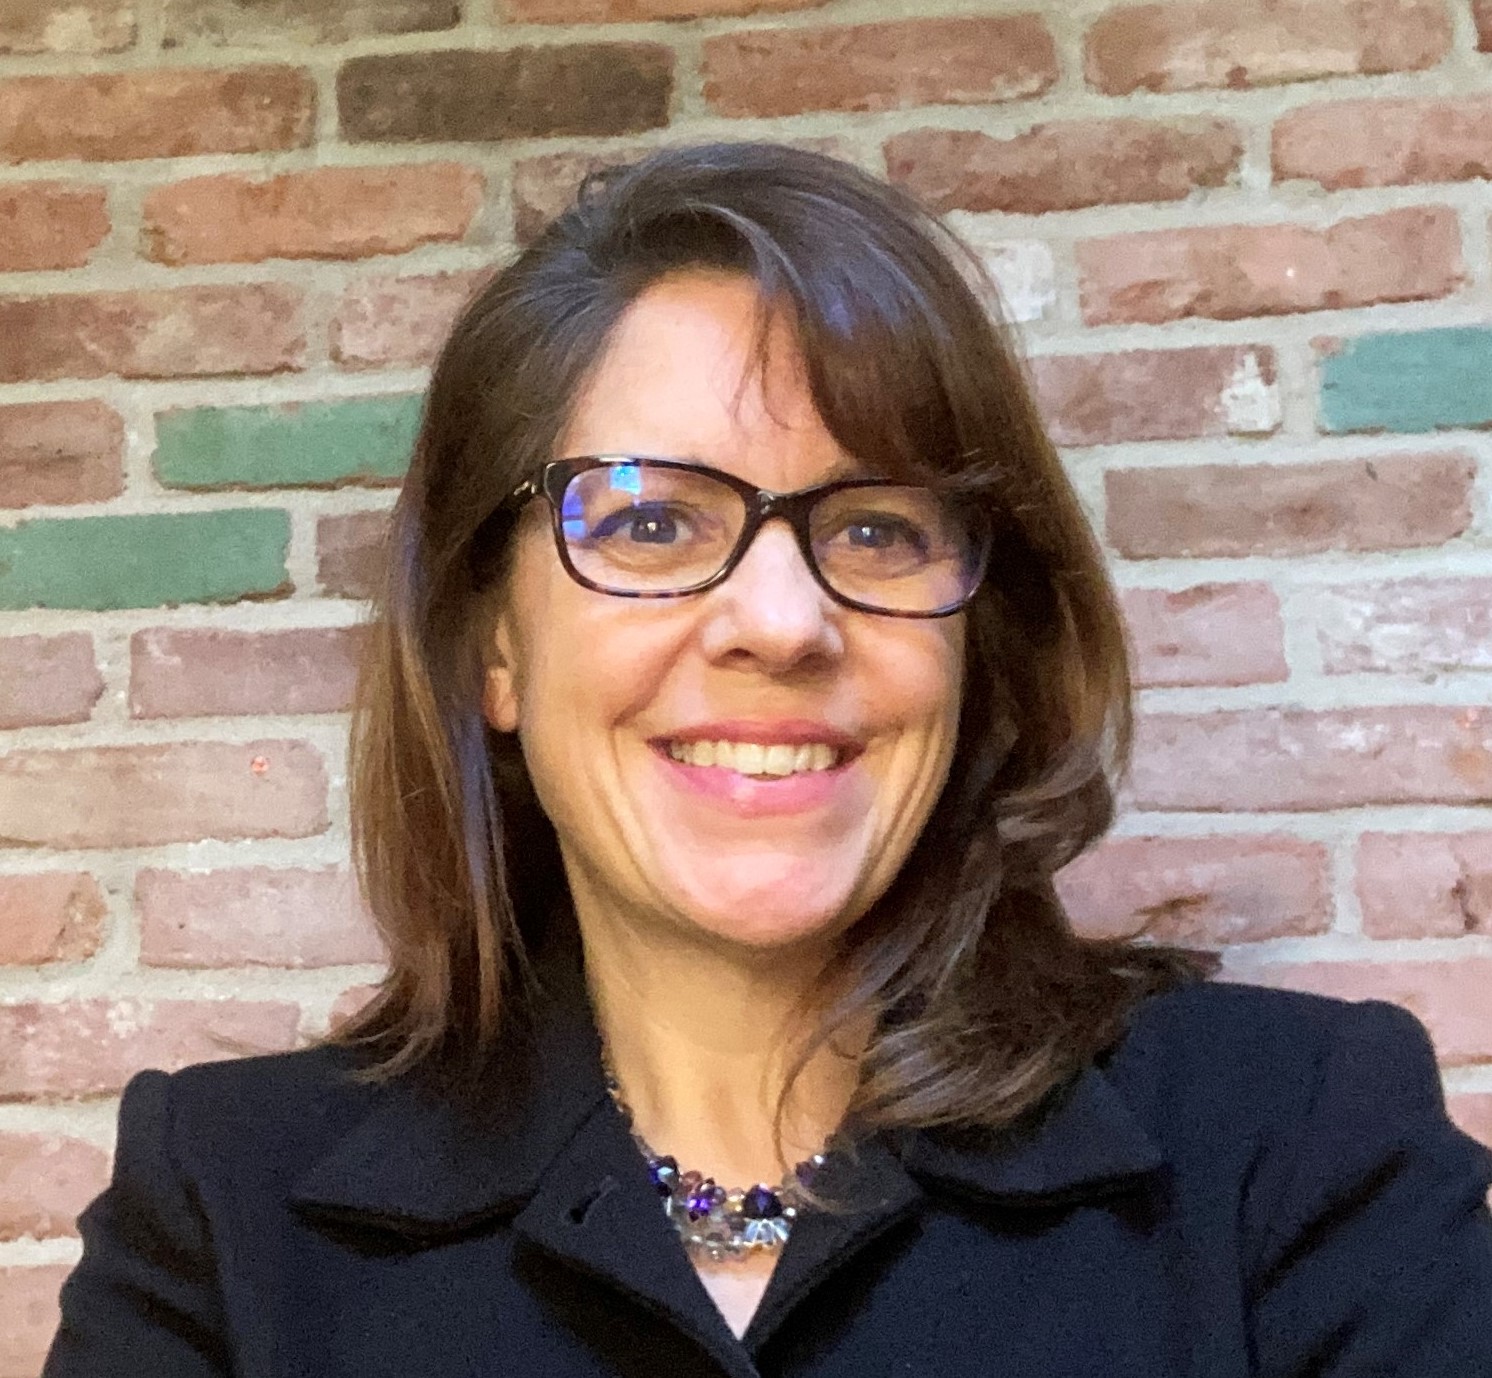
{"x": 754, "y": 758}
{"x": 746, "y": 757}
{"x": 781, "y": 760}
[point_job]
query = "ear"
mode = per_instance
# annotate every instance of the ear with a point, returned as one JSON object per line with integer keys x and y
{"x": 500, "y": 687}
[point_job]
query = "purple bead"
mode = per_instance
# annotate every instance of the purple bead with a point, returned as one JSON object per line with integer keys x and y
{"x": 701, "y": 1199}
{"x": 761, "y": 1203}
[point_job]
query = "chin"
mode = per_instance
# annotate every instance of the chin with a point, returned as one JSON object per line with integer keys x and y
{"x": 766, "y": 913}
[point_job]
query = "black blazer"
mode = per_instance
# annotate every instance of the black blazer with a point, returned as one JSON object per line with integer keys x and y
{"x": 1251, "y": 1182}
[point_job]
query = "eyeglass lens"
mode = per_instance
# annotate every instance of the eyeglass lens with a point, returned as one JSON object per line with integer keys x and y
{"x": 635, "y": 527}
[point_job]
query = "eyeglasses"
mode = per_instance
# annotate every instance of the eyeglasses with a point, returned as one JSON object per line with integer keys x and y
{"x": 663, "y": 528}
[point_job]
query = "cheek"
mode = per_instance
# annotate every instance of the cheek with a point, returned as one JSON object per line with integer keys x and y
{"x": 594, "y": 667}
{"x": 920, "y": 675}
{"x": 929, "y": 687}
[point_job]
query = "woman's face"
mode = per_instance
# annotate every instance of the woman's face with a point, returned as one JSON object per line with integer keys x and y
{"x": 600, "y": 688}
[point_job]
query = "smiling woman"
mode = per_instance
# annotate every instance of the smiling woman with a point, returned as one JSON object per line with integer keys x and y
{"x": 744, "y": 672}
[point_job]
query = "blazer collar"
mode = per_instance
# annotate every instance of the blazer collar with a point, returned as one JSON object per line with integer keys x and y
{"x": 429, "y": 1159}
{"x": 427, "y": 1162}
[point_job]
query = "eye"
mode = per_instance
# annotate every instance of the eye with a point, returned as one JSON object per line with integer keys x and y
{"x": 881, "y": 531}
{"x": 872, "y": 535}
{"x": 646, "y": 523}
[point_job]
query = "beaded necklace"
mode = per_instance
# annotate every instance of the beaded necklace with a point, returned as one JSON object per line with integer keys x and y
{"x": 715, "y": 1221}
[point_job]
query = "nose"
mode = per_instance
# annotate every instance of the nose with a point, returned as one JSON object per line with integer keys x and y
{"x": 771, "y": 609}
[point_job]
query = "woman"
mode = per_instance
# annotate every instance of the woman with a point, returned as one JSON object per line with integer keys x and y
{"x": 744, "y": 673}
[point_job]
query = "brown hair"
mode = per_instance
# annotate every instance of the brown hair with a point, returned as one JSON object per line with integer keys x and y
{"x": 985, "y": 999}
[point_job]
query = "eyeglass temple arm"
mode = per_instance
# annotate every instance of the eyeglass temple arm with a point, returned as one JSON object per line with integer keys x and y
{"x": 529, "y": 488}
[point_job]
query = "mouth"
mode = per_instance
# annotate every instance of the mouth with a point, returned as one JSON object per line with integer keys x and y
{"x": 758, "y": 760}
{"x": 765, "y": 751}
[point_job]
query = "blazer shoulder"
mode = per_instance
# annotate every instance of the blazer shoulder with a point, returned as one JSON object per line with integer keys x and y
{"x": 284, "y": 1108}
{"x": 320, "y": 1072}
{"x": 1234, "y": 1009}
{"x": 1256, "y": 1058}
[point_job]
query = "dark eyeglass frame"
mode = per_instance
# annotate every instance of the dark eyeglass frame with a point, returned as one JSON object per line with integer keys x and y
{"x": 762, "y": 504}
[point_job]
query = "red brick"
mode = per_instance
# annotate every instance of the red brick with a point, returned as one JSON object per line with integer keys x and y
{"x": 183, "y": 672}
{"x": 639, "y": 11}
{"x": 48, "y": 679}
{"x": 50, "y": 225}
{"x": 1385, "y": 143}
{"x": 285, "y": 23}
{"x": 1208, "y": 634}
{"x": 178, "y": 332}
{"x": 1226, "y": 272}
{"x": 28, "y": 1301}
{"x": 71, "y": 26}
{"x": 1157, "y": 394}
{"x": 1294, "y": 759}
{"x": 254, "y": 916}
{"x": 60, "y": 452}
{"x": 1064, "y": 165}
{"x": 1482, "y": 13}
{"x": 1425, "y": 885}
{"x": 139, "y": 796}
{"x": 1237, "y": 43}
{"x": 329, "y": 212}
{"x": 494, "y": 94}
{"x": 350, "y": 553}
{"x": 1389, "y": 503}
{"x": 962, "y": 60}
{"x": 1449, "y": 997}
{"x": 49, "y": 916}
{"x": 1472, "y": 1110}
{"x": 80, "y": 1048}
{"x": 45, "y": 1180}
{"x": 167, "y": 113}
{"x": 387, "y": 321}
{"x": 1410, "y": 626}
{"x": 1202, "y": 891}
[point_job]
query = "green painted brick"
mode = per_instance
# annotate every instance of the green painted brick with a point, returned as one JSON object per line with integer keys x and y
{"x": 355, "y": 439}
{"x": 147, "y": 561}
{"x": 1422, "y": 380}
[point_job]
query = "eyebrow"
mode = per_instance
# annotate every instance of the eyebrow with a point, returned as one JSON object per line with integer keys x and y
{"x": 844, "y": 468}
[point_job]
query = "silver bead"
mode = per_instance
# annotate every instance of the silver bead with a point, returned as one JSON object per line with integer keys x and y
{"x": 766, "y": 1234}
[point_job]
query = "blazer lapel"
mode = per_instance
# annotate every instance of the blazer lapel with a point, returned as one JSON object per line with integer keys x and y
{"x": 596, "y": 1210}
{"x": 1080, "y": 1145}
{"x": 872, "y": 1194}
{"x": 541, "y": 1147}
{"x": 430, "y": 1159}
{"x": 544, "y": 1147}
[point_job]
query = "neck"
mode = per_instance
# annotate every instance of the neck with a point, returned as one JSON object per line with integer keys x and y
{"x": 702, "y": 1034}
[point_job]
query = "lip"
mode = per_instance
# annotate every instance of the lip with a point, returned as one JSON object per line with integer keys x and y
{"x": 767, "y": 732}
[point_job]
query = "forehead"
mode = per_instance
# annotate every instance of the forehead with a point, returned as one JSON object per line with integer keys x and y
{"x": 682, "y": 375}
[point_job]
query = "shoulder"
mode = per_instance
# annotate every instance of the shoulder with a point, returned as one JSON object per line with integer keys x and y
{"x": 1302, "y": 1102}
{"x": 1313, "y": 1132}
{"x": 1257, "y": 1056}
{"x": 280, "y": 1109}
{"x": 1245, "y": 1022}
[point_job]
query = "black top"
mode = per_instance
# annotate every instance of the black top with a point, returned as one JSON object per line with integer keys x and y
{"x": 1251, "y": 1182}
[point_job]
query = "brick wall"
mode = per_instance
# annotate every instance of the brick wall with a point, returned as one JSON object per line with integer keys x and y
{"x": 1248, "y": 246}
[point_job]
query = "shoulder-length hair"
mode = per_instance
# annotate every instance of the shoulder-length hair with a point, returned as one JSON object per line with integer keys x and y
{"x": 983, "y": 996}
